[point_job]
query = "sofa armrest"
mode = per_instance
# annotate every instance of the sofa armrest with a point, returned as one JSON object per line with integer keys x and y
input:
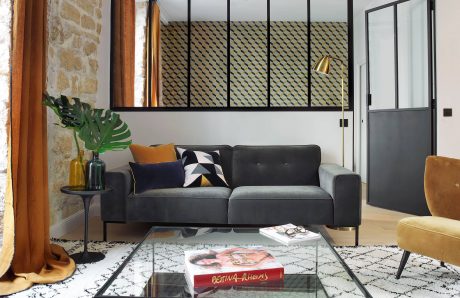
{"x": 344, "y": 186}
{"x": 113, "y": 203}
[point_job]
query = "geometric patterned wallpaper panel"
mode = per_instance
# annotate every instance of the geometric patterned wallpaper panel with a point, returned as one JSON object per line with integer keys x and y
{"x": 208, "y": 64}
{"x": 289, "y": 64}
{"x": 248, "y": 72}
{"x": 288, "y": 61}
{"x": 326, "y": 91}
{"x": 173, "y": 65}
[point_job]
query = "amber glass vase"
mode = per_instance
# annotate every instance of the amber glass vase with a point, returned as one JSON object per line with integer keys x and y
{"x": 77, "y": 170}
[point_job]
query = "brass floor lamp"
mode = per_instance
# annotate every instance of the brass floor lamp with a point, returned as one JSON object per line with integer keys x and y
{"x": 323, "y": 66}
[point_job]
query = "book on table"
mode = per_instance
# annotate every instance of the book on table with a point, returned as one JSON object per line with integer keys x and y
{"x": 231, "y": 266}
{"x": 289, "y": 234}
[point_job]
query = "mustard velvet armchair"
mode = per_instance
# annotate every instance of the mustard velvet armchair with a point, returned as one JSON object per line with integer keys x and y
{"x": 436, "y": 236}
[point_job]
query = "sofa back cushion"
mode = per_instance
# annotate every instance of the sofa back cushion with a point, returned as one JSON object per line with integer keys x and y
{"x": 226, "y": 155}
{"x": 276, "y": 165}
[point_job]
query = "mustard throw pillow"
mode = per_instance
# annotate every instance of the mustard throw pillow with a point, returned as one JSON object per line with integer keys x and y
{"x": 157, "y": 154}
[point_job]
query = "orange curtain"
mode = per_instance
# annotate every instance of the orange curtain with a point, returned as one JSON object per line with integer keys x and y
{"x": 123, "y": 53}
{"x": 35, "y": 260}
{"x": 154, "y": 55}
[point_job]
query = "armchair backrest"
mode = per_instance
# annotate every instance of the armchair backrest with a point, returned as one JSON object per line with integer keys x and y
{"x": 442, "y": 186}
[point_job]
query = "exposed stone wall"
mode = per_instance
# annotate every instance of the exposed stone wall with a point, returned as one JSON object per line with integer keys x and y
{"x": 74, "y": 28}
{"x": 5, "y": 51}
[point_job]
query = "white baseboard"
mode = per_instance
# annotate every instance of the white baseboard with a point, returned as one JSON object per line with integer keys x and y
{"x": 77, "y": 219}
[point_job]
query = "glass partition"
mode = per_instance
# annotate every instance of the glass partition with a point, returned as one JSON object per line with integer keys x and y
{"x": 204, "y": 55}
{"x": 248, "y": 53}
{"x": 329, "y": 36}
{"x": 289, "y": 53}
{"x": 412, "y": 54}
{"x": 174, "y": 59}
{"x": 140, "y": 63}
{"x": 382, "y": 59}
{"x": 208, "y": 53}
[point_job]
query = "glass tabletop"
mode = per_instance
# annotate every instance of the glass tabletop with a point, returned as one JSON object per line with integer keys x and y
{"x": 156, "y": 267}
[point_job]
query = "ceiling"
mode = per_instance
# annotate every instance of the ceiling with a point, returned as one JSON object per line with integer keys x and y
{"x": 254, "y": 10}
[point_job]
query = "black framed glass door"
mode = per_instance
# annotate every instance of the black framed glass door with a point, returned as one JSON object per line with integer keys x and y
{"x": 401, "y": 111}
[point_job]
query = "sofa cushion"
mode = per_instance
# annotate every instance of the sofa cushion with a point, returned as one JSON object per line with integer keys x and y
{"x": 156, "y": 154}
{"x": 276, "y": 165}
{"x": 274, "y": 205}
{"x": 226, "y": 156}
{"x": 202, "y": 168}
{"x": 206, "y": 205}
{"x": 157, "y": 175}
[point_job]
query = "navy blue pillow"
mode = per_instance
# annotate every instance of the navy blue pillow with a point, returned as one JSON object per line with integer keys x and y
{"x": 157, "y": 175}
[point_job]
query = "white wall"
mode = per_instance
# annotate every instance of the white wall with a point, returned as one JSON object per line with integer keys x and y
{"x": 238, "y": 128}
{"x": 448, "y": 65}
{"x": 232, "y": 128}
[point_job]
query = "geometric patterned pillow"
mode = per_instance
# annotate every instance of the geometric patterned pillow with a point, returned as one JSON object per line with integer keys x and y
{"x": 202, "y": 168}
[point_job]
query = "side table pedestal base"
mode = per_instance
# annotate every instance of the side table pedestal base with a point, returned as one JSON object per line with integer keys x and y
{"x": 87, "y": 257}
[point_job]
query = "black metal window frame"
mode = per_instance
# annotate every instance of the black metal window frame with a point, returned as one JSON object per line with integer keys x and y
{"x": 229, "y": 108}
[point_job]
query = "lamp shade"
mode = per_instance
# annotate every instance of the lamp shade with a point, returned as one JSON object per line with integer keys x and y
{"x": 323, "y": 65}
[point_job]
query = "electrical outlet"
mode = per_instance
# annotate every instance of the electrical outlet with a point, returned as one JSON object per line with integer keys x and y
{"x": 346, "y": 122}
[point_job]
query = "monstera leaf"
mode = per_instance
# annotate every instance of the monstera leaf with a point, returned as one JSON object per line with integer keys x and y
{"x": 104, "y": 131}
{"x": 70, "y": 115}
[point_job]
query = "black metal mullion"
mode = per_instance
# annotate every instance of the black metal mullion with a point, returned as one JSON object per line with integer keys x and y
{"x": 396, "y": 53}
{"x": 228, "y": 55}
{"x": 309, "y": 52}
{"x": 431, "y": 28}
{"x": 268, "y": 55}
{"x": 351, "y": 78}
{"x": 368, "y": 97}
{"x": 189, "y": 48}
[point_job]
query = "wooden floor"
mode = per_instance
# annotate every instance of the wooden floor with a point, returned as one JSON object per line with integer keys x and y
{"x": 378, "y": 228}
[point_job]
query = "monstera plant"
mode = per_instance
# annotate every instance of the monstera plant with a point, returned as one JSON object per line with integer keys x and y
{"x": 100, "y": 130}
{"x": 70, "y": 117}
{"x": 104, "y": 131}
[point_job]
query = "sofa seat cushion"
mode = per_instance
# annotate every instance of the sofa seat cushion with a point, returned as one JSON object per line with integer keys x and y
{"x": 432, "y": 236}
{"x": 273, "y": 205}
{"x": 205, "y": 205}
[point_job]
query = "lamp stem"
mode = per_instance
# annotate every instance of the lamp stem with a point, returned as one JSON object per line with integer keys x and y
{"x": 343, "y": 117}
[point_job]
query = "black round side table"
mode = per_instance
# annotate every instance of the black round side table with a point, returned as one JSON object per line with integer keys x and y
{"x": 86, "y": 195}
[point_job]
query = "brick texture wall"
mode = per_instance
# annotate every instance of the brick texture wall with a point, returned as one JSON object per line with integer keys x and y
{"x": 5, "y": 47}
{"x": 74, "y": 28}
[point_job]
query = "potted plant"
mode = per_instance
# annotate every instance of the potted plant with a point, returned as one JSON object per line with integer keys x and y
{"x": 70, "y": 116}
{"x": 102, "y": 131}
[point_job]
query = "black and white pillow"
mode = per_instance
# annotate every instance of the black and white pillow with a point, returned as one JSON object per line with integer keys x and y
{"x": 202, "y": 168}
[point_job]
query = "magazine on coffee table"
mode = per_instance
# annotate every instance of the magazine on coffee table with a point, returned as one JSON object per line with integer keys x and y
{"x": 289, "y": 234}
{"x": 231, "y": 266}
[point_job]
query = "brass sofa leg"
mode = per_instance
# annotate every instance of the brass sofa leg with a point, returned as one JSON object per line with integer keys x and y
{"x": 404, "y": 258}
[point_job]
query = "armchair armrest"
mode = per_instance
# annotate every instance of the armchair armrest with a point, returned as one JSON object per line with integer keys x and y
{"x": 113, "y": 204}
{"x": 344, "y": 186}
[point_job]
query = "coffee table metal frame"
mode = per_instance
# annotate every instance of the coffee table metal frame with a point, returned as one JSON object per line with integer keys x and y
{"x": 103, "y": 289}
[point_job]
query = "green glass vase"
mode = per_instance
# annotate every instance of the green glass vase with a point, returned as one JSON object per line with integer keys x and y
{"x": 95, "y": 173}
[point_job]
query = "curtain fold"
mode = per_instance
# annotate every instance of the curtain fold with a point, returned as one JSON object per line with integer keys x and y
{"x": 35, "y": 260}
{"x": 154, "y": 56}
{"x": 123, "y": 42}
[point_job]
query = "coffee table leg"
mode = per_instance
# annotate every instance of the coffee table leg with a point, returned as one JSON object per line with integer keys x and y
{"x": 86, "y": 256}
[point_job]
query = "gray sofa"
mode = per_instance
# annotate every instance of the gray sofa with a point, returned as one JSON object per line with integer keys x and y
{"x": 269, "y": 185}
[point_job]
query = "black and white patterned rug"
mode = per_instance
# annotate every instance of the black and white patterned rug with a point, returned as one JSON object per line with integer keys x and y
{"x": 375, "y": 266}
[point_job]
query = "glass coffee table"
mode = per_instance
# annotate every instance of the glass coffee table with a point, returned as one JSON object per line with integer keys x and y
{"x": 155, "y": 268}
